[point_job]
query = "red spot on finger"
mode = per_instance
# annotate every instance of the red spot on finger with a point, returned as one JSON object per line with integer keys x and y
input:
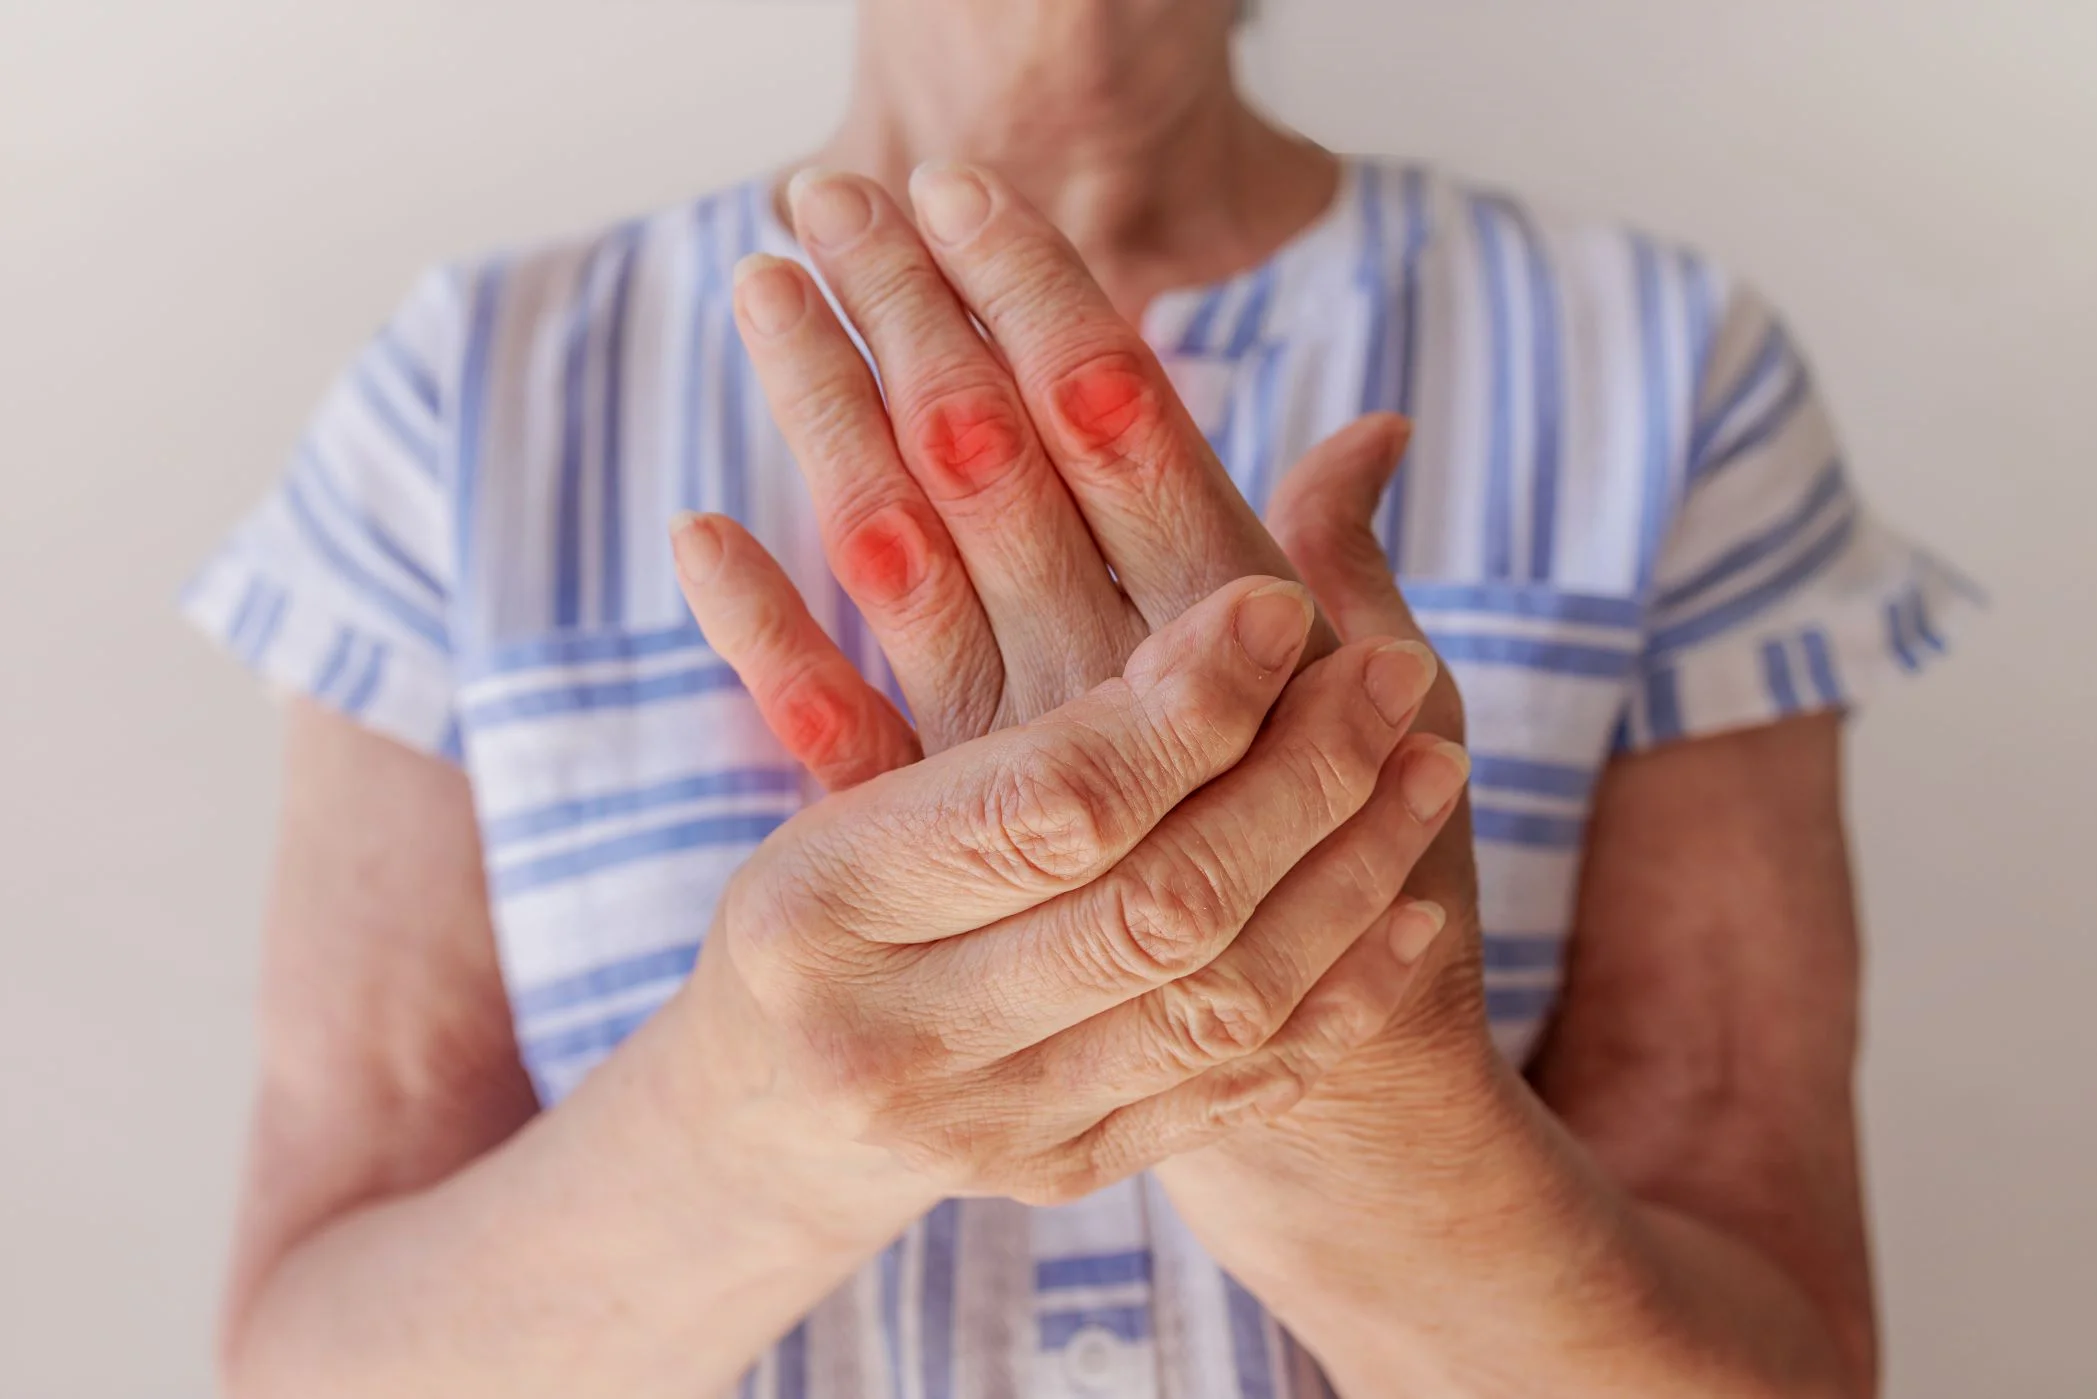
{"x": 810, "y": 721}
{"x": 884, "y": 557}
{"x": 970, "y": 441}
{"x": 1107, "y": 403}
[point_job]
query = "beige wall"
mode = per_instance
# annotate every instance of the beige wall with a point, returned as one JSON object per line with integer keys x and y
{"x": 204, "y": 206}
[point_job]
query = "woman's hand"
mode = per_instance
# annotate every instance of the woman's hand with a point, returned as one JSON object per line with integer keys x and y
{"x": 1050, "y": 957}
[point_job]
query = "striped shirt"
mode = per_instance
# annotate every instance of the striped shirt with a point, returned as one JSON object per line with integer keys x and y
{"x": 1624, "y": 520}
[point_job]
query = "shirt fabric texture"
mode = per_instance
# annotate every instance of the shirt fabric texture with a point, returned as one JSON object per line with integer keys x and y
{"x": 1624, "y": 520}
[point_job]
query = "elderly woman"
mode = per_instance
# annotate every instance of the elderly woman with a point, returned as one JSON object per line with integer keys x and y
{"x": 1192, "y": 997}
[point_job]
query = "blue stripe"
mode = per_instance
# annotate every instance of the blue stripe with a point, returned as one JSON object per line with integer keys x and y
{"x": 265, "y": 628}
{"x": 1776, "y": 674}
{"x": 892, "y": 1310}
{"x": 474, "y": 384}
{"x": 314, "y": 469}
{"x": 735, "y": 405}
{"x": 1560, "y": 657}
{"x": 606, "y": 694}
{"x": 419, "y": 446}
{"x": 1522, "y": 600}
{"x": 1743, "y": 605}
{"x": 1499, "y": 449}
{"x": 1664, "y": 704}
{"x": 363, "y": 580}
{"x": 1519, "y": 1005}
{"x": 700, "y": 319}
{"x": 611, "y": 604}
{"x": 360, "y": 694}
{"x": 250, "y": 599}
{"x": 1253, "y": 317}
{"x": 936, "y": 1340}
{"x": 1546, "y": 395}
{"x": 598, "y": 983}
{"x": 573, "y": 648}
{"x": 1896, "y": 637}
{"x": 1529, "y": 828}
{"x": 1092, "y": 1270}
{"x": 1195, "y": 340}
{"x": 582, "y": 1041}
{"x": 793, "y": 1364}
{"x": 1129, "y": 1323}
{"x": 1827, "y": 488}
{"x": 1523, "y": 952}
{"x": 1417, "y": 233}
{"x": 1249, "y": 1353}
{"x": 333, "y": 664}
{"x": 1494, "y": 771}
{"x": 420, "y": 381}
{"x": 1820, "y": 665}
{"x": 527, "y": 875}
{"x": 1659, "y": 446}
{"x": 1761, "y": 429}
{"x": 1265, "y": 440}
{"x": 575, "y": 359}
{"x": 1771, "y": 358}
{"x": 565, "y": 815}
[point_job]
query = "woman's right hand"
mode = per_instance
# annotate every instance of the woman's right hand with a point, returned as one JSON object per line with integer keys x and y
{"x": 965, "y": 975}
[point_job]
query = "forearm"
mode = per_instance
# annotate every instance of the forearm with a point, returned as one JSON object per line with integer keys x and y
{"x": 643, "y": 1237}
{"x": 1519, "y": 1267}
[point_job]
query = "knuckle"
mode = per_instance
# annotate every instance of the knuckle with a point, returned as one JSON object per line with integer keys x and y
{"x": 882, "y": 551}
{"x": 1167, "y": 923}
{"x": 1214, "y": 1018}
{"x": 969, "y": 433}
{"x": 1330, "y": 773}
{"x": 1051, "y": 821}
{"x": 1106, "y": 401}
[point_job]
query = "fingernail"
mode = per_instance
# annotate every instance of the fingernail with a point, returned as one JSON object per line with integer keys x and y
{"x": 769, "y": 293}
{"x": 1272, "y": 622}
{"x": 1396, "y": 677}
{"x": 951, "y": 202}
{"x": 830, "y": 209}
{"x": 1432, "y": 777}
{"x": 696, "y": 545}
{"x": 1415, "y": 928}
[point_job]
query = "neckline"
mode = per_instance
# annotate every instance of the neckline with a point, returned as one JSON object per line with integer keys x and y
{"x": 1173, "y": 313}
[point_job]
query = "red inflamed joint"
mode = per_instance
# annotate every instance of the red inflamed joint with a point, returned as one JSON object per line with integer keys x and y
{"x": 883, "y": 558}
{"x": 972, "y": 442}
{"x": 810, "y": 722}
{"x": 1105, "y": 404}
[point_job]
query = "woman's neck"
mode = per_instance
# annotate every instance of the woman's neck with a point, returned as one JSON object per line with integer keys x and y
{"x": 1119, "y": 119}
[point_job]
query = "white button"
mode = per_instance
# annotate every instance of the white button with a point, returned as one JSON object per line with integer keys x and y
{"x": 1093, "y": 1357}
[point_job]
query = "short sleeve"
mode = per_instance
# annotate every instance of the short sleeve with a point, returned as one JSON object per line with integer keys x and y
{"x": 1775, "y": 591}
{"x": 338, "y": 585}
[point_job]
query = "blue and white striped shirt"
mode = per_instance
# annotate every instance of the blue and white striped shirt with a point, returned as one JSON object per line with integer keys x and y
{"x": 1624, "y": 520}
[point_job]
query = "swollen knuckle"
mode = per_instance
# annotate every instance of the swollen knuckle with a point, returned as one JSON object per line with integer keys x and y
{"x": 1106, "y": 400}
{"x": 1051, "y": 822}
{"x": 1215, "y": 1018}
{"x": 1168, "y": 923}
{"x": 969, "y": 427}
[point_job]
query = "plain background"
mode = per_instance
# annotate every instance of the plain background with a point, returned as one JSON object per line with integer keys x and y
{"x": 205, "y": 206}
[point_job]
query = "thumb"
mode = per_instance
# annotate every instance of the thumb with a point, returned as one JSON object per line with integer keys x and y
{"x": 1323, "y": 513}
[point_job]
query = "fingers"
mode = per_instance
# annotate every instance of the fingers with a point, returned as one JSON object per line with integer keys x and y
{"x": 1235, "y": 1005}
{"x": 1003, "y": 823}
{"x": 887, "y": 545}
{"x": 1165, "y": 513}
{"x": 1173, "y": 907}
{"x": 813, "y": 699}
{"x": 1323, "y": 513}
{"x": 1365, "y": 988}
{"x": 964, "y": 435}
